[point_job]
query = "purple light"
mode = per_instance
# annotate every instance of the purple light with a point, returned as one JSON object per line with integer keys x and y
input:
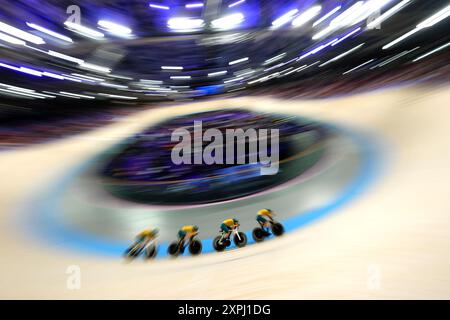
{"x": 319, "y": 48}
{"x": 194, "y": 5}
{"x": 158, "y": 6}
{"x": 330, "y": 42}
{"x": 4, "y": 65}
{"x": 22, "y": 69}
{"x": 32, "y": 72}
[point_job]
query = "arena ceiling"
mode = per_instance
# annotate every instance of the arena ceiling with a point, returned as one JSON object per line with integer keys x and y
{"x": 138, "y": 51}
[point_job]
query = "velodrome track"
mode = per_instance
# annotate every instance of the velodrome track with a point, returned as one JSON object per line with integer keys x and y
{"x": 391, "y": 240}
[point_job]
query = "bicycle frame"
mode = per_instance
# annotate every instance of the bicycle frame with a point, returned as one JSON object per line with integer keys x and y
{"x": 234, "y": 233}
{"x": 144, "y": 247}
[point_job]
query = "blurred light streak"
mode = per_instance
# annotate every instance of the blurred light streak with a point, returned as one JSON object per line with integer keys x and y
{"x": 171, "y": 68}
{"x": 36, "y": 49}
{"x": 296, "y": 69}
{"x": 113, "y": 85}
{"x": 53, "y": 75}
{"x": 244, "y": 72}
{"x": 368, "y": 8}
{"x": 23, "y": 91}
{"x": 302, "y": 68}
{"x": 194, "y": 5}
{"x": 115, "y": 28}
{"x": 115, "y": 96}
{"x": 432, "y": 52}
{"x": 322, "y": 33}
{"x": 234, "y": 79}
{"x": 238, "y": 61}
{"x": 400, "y": 39}
{"x": 275, "y": 66}
{"x": 180, "y": 77}
{"x": 87, "y": 77}
{"x": 15, "y": 93}
{"x": 392, "y": 59}
{"x": 11, "y": 40}
{"x": 341, "y": 55}
{"x": 119, "y": 77}
{"x": 361, "y": 65}
{"x": 72, "y": 79}
{"x": 356, "y": 13}
{"x": 329, "y": 14}
{"x": 94, "y": 67}
{"x": 20, "y": 34}
{"x": 435, "y": 18}
{"x": 151, "y": 81}
{"x": 158, "y": 6}
{"x": 427, "y": 23}
{"x": 276, "y": 58}
{"x": 237, "y": 89}
{"x": 8, "y": 66}
{"x": 285, "y": 18}
{"x": 236, "y": 3}
{"x": 22, "y": 69}
{"x": 347, "y": 17}
{"x": 346, "y": 36}
{"x": 30, "y": 71}
{"x": 185, "y": 24}
{"x": 388, "y": 14}
{"x": 64, "y": 57}
{"x": 76, "y": 95}
{"x": 49, "y": 32}
{"x": 62, "y": 95}
{"x": 218, "y": 73}
{"x": 319, "y": 48}
{"x": 84, "y": 31}
{"x": 306, "y": 16}
{"x": 228, "y": 22}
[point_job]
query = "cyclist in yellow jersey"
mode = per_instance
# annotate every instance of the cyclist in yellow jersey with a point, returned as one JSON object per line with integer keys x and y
{"x": 186, "y": 233}
{"x": 264, "y": 218}
{"x": 229, "y": 225}
{"x": 146, "y": 236}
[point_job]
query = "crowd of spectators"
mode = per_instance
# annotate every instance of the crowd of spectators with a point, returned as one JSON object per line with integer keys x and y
{"x": 317, "y": 86}
{"x": 27, "y": 129}
{"x": 41, "y": 127}
{"x": 143, "y": 167}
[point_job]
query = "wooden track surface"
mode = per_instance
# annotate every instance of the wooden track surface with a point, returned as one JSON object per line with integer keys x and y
{"x": 391, "y": 242}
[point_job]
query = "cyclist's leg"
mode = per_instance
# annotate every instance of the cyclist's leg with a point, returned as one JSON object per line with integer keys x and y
{"x": 181, "y": 237}
{"x": 263, "y": 222}
{"x": 225, "y": 230}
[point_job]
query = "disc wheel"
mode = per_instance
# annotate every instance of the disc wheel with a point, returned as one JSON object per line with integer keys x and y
{"x": 240, "y": 240}
{"x": 195, "y": 247}
{"x": 151, "y": 252}
{"x": 174, "y": 249}
{"x": 277, "y": 229}
{"x": 258, "y": 235}
{"x": 217, "y": 245}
